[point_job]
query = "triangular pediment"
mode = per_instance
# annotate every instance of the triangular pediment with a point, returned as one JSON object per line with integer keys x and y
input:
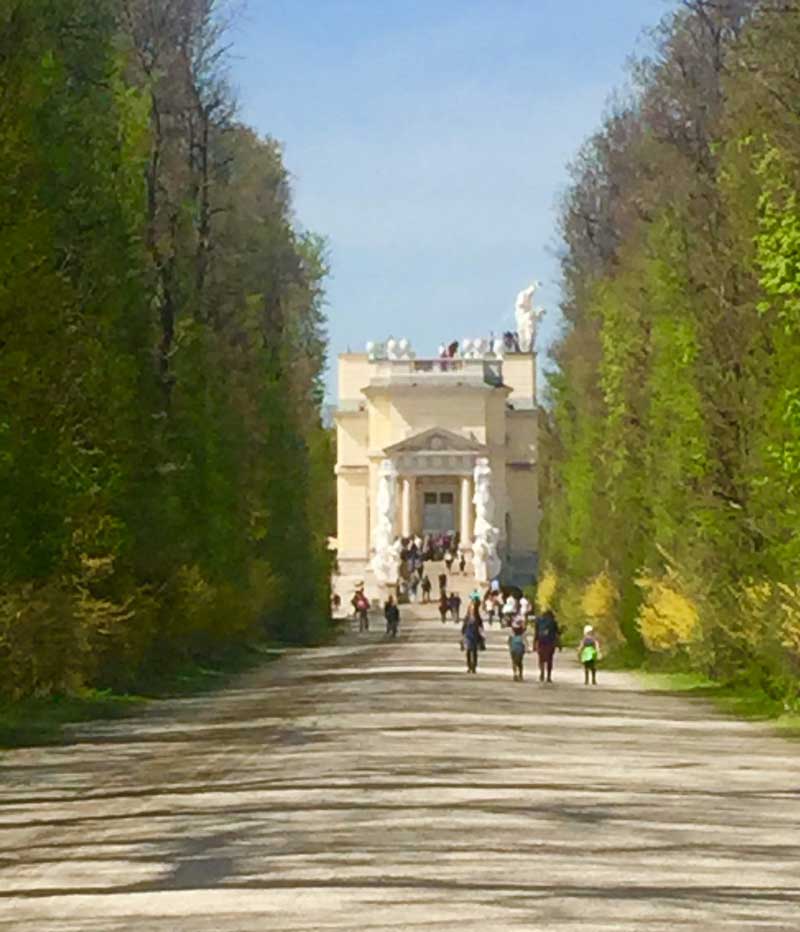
{"x": 436, "y": 439}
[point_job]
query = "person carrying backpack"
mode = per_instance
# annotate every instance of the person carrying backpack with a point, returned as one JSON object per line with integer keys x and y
{"x": 589, "y": 654}
{"x": 360, "y": 605}
{"x": 516, "y": 648}
{"x": 546, "y": 638}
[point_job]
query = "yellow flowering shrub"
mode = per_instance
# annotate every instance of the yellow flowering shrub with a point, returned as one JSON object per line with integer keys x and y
{"x": 546, "y": 589}
{"x": 667, "y": 618}
{"x": 599, "y": 602}
{"x": 790, "y": 618}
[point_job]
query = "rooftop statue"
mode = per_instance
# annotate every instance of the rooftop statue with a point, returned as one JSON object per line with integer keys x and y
{"x": 391, "y": 349}
{"x": 527, "y": 317}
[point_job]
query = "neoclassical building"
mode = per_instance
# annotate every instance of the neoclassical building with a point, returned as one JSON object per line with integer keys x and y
{"x": 410, "y": 434}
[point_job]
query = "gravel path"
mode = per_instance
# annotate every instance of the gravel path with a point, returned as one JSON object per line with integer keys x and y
{"x": 375, "y": 785}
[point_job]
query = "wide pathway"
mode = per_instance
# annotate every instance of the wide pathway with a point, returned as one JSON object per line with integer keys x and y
{"x": 375, "y": 785}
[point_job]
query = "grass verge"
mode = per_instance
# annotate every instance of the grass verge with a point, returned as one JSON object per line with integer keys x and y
{"x": 36, "y": 722}
{"x": 741, "y": 701}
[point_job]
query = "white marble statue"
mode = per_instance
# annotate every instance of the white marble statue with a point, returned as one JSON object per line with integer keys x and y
{"x": 386, "y": 561}
{"x": 390, "y": 349}
{"x": 376, "y": 351}
{"x": 486, "y": 561}
{"x": 527, "y": 317}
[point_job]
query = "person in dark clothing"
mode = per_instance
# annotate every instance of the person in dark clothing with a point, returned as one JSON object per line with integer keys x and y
{"x": 472, "y": 640}
{"x": 455, "y": 606}
{"x": 392, "y": 615}
{"x": 444, "y": 606}
{"x": 546, "y": 638}
{"x": 425, "y": 585}
{"x": 443, "y": 583}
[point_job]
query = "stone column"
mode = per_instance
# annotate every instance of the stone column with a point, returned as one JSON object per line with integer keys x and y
{"x": 405, "y": 508}
{"x": 466, "y": 512}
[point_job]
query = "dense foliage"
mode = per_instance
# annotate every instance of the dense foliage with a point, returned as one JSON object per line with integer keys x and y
{"x": 163, "y": 468}
{"x": 673, "y": 429}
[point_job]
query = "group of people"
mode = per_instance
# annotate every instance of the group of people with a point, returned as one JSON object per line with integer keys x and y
{"x": 517, "y": 615}
{"x": 514, "y": 613}
{"x": 361, "y": 607}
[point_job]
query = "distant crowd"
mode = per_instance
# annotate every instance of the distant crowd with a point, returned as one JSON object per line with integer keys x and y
{"x": 414, "y": 583}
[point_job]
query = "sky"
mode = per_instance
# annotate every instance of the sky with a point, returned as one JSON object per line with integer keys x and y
{"x": 429, "y": 142}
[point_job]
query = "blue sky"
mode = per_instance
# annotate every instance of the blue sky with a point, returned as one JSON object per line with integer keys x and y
{"x": 429, "y": 143}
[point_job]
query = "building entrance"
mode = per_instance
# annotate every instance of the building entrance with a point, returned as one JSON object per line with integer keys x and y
{"x": 439, "y": 513}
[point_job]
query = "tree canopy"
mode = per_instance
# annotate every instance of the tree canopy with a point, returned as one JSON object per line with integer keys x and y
{"x": 163, "y": 465}
{"x": 672, "y": 440}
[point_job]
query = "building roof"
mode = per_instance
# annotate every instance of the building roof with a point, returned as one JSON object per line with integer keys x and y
{"x": 436, "y": 439}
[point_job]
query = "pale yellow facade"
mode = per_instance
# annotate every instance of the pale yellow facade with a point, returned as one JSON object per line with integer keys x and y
{"x": 434, "y": 419}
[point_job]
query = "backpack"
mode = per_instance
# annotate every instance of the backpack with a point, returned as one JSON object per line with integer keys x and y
{"x": 517, "y": 645}
{"x": 588, "y": 652}
{"x": 362, "y": 605}
{"x": 546, "y": 631}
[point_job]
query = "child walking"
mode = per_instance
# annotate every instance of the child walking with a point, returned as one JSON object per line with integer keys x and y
{"x": 589, "y": 654}
{"x": 516, "y": 647}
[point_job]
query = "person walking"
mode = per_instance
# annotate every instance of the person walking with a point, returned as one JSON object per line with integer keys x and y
{"x": 516, "y": 648}
{"x": 546, "y": 638}
{"x": 392, "y": 615}
{"x": 462, "y": 561}
{"x": 443, "y": 583}
{"x": 472, "y": 640}
{"x": 444, "y": 606}
{"x": 448, "y": 560}
{"x": 455, "y": 606}
{"x": 490, "y": 607}
{"x": 413, "y": 585}
{"x": 426, "y": 589}
{"x": 524, "y": 608}
{"x": 360, "y": 605}
{"x": 589, "y": 654}
{"x": 509, "y": 611}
